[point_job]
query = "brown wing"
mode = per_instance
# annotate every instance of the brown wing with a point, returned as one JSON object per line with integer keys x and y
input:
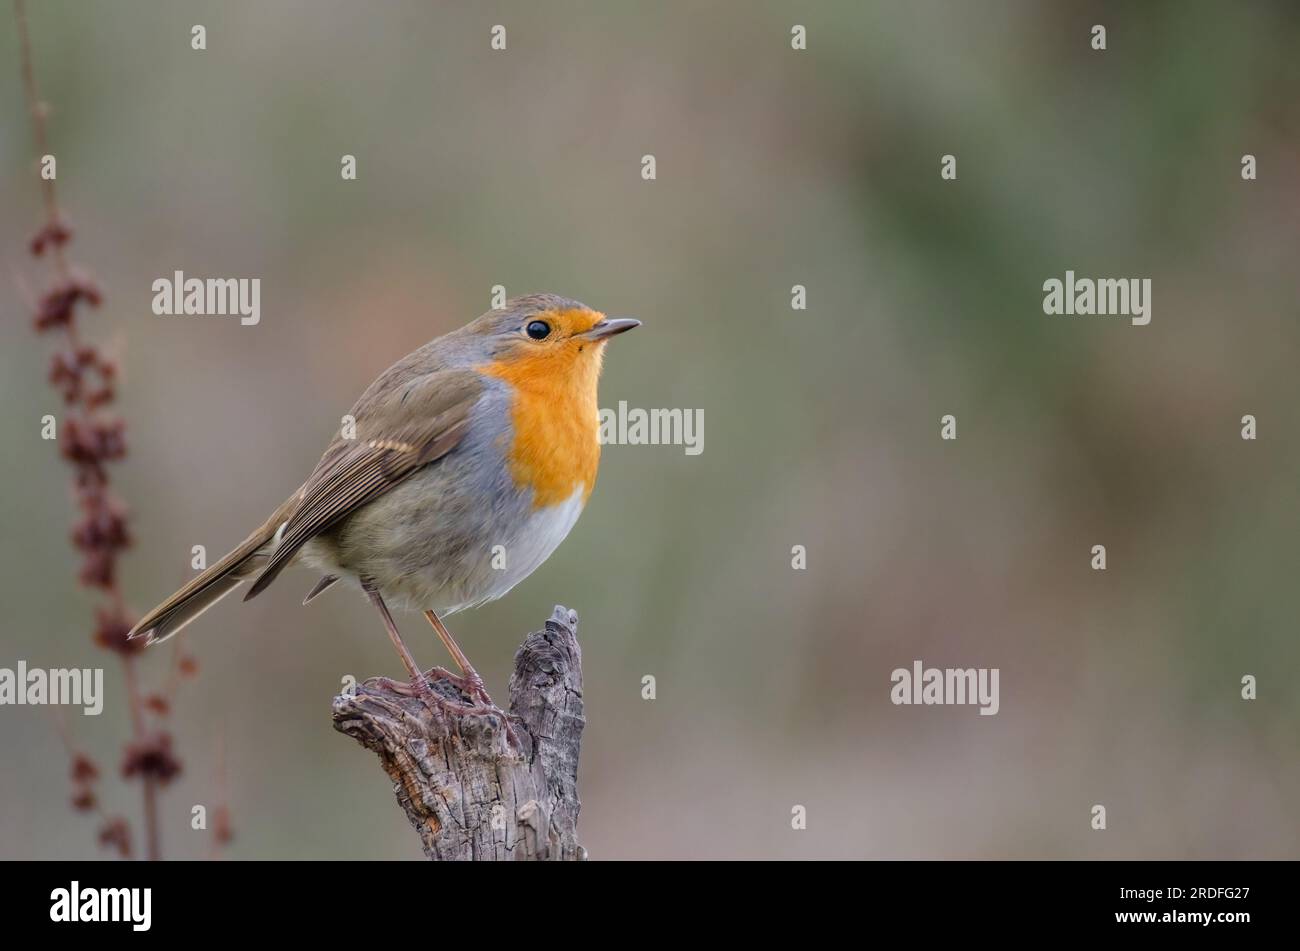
{"x": 399, "y": 428}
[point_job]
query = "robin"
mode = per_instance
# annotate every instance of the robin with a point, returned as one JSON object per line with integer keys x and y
{"x": 484, "y": 437}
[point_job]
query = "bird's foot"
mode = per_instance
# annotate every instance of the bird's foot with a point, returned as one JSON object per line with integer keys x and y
{"x": 481, "y": 703}
{"x": 475, "y": 688}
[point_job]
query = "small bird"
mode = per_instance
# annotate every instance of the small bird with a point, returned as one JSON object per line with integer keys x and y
{"x": 454, "y": 476}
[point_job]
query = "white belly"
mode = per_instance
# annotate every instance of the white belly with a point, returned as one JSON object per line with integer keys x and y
{"x": 509, "y": 563}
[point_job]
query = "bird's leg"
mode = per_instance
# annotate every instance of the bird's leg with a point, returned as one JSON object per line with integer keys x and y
{"x": 472, "y": 680}
{"x": 477, "y": 690}
{"x": 418, "y": 686}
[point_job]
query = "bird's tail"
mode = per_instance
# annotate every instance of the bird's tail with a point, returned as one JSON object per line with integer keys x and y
{"x": 215, "y": 583}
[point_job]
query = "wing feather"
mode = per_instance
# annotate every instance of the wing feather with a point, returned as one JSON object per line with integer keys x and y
{"x": 398, "y": 431}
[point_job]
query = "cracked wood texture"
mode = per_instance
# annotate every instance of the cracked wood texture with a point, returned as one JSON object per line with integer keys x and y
{"x": 467, "y": 792}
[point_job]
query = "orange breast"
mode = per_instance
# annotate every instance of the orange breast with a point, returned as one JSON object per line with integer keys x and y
{"x": 554, "y": 448}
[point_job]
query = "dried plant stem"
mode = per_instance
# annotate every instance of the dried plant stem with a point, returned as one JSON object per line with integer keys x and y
{"x": 94, "y": 441}
{"x": 39, "y": 111}
{"x": 152, "y": 834}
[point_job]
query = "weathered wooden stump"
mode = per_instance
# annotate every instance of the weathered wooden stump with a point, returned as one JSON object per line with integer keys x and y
{"x": 468, "y": 793}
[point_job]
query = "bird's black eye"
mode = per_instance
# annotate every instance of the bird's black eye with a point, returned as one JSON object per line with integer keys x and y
{"x": 538, "y": 329}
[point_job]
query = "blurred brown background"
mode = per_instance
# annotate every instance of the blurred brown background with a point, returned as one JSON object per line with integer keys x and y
{"x": 775, "y": 168}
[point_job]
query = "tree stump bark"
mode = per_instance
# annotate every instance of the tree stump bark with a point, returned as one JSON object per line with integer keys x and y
{"x": 466, "y": 791}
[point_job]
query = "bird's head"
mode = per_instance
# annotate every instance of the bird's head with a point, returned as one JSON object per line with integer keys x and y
{"x": 544, "y": 339}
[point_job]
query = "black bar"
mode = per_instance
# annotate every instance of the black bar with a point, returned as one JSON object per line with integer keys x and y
{"x": 217, "y": 900}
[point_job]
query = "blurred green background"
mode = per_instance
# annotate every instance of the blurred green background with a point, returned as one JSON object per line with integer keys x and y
{"x": 775, "y": 168}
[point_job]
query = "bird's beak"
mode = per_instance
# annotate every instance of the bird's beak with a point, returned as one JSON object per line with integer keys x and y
{"x": 611, "y": 326}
